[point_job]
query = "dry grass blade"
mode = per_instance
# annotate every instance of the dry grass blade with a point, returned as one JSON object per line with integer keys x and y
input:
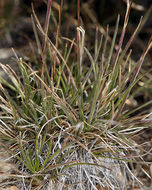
{"x": 142, "y": 59}
{"x": 122, "y": 34}
{"x": 60, "y": 101}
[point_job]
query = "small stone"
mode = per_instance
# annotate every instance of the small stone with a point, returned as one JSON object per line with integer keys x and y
{"x": 13, "y": 188}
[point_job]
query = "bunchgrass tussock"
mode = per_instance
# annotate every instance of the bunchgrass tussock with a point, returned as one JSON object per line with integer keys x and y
{"x": 65, "y": 123}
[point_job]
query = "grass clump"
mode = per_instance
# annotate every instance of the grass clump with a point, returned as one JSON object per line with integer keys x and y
{"x": 65, "y": 124}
